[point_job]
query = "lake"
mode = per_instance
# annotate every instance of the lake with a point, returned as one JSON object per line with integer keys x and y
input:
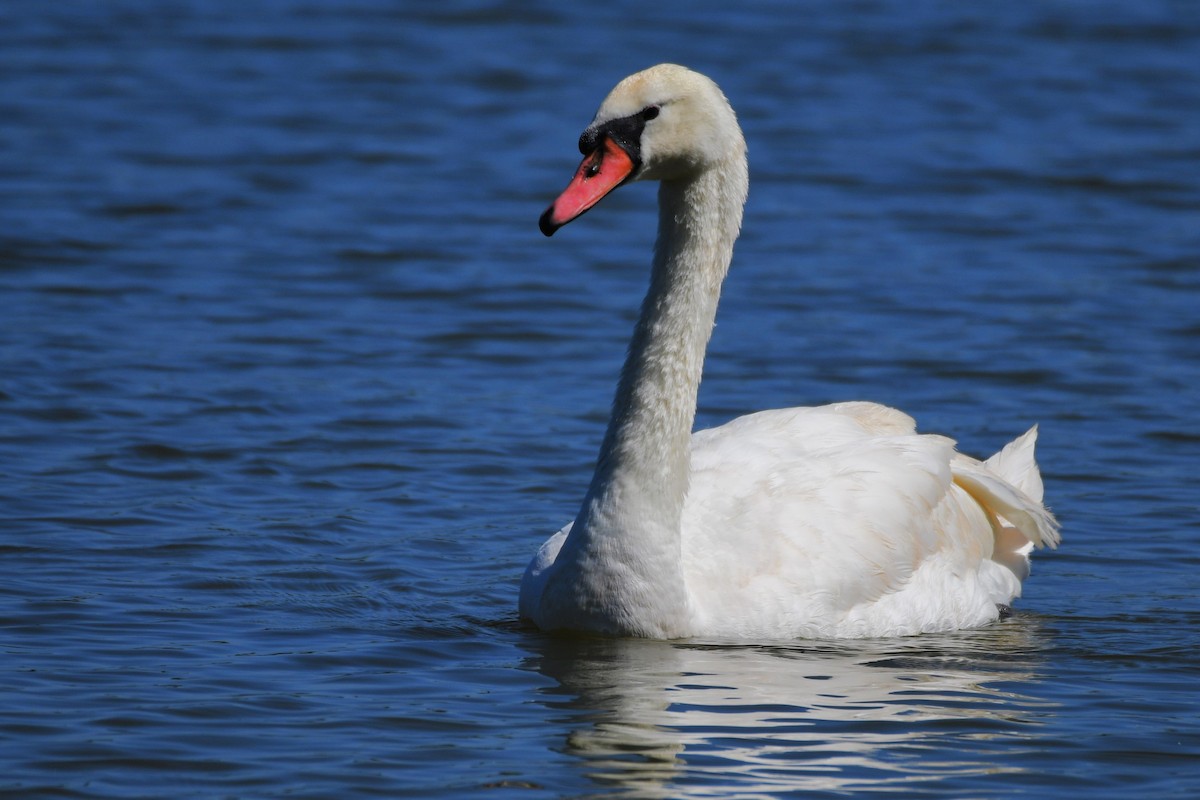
{"x": 291, "y": 388}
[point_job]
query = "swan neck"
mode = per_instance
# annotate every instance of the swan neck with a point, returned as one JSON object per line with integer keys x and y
{"x": 620, "y": 569}
{"x": 641, "y": 476}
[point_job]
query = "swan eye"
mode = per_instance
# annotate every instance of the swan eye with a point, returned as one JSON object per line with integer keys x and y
{"x": 649, "y": 113}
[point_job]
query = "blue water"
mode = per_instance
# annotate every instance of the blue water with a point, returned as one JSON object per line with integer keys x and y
{"x": 291, "y": 388}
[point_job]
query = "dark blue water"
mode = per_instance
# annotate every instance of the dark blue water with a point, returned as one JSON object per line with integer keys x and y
{"x": 291, "y": 388}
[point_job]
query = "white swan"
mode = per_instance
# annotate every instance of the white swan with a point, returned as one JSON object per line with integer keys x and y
{"x": 837, "y": 521}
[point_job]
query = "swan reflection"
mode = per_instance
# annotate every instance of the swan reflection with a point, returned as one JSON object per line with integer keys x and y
{"x": 670, "y": 719}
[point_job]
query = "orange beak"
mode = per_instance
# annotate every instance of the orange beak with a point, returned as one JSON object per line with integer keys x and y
{"x": 604, "y": 170}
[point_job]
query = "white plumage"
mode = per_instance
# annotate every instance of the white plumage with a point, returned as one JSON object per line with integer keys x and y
{"x": 837, "y": 521}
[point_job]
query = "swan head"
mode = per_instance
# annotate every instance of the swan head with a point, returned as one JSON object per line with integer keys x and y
{"x": 665, "y": 123}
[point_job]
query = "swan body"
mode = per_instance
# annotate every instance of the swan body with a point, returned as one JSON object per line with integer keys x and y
{"x": 828, "y": 522}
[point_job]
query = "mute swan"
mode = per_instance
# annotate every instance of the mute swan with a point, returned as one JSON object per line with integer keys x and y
{"x": 837, "y": 521}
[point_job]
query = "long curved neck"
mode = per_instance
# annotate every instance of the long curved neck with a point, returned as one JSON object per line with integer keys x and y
{"x": 629, "y": 523}
{"x": 647, "y": 444}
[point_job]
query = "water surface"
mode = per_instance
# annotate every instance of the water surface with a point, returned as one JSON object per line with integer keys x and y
{"x": 291, "y": 388}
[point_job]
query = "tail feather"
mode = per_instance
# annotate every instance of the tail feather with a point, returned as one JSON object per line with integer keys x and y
{"x": 1009, "y": 485}
{"x": 1015, "y": 463}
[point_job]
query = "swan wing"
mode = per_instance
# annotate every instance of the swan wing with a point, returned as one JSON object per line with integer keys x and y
{"x": 842, "y": 521}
